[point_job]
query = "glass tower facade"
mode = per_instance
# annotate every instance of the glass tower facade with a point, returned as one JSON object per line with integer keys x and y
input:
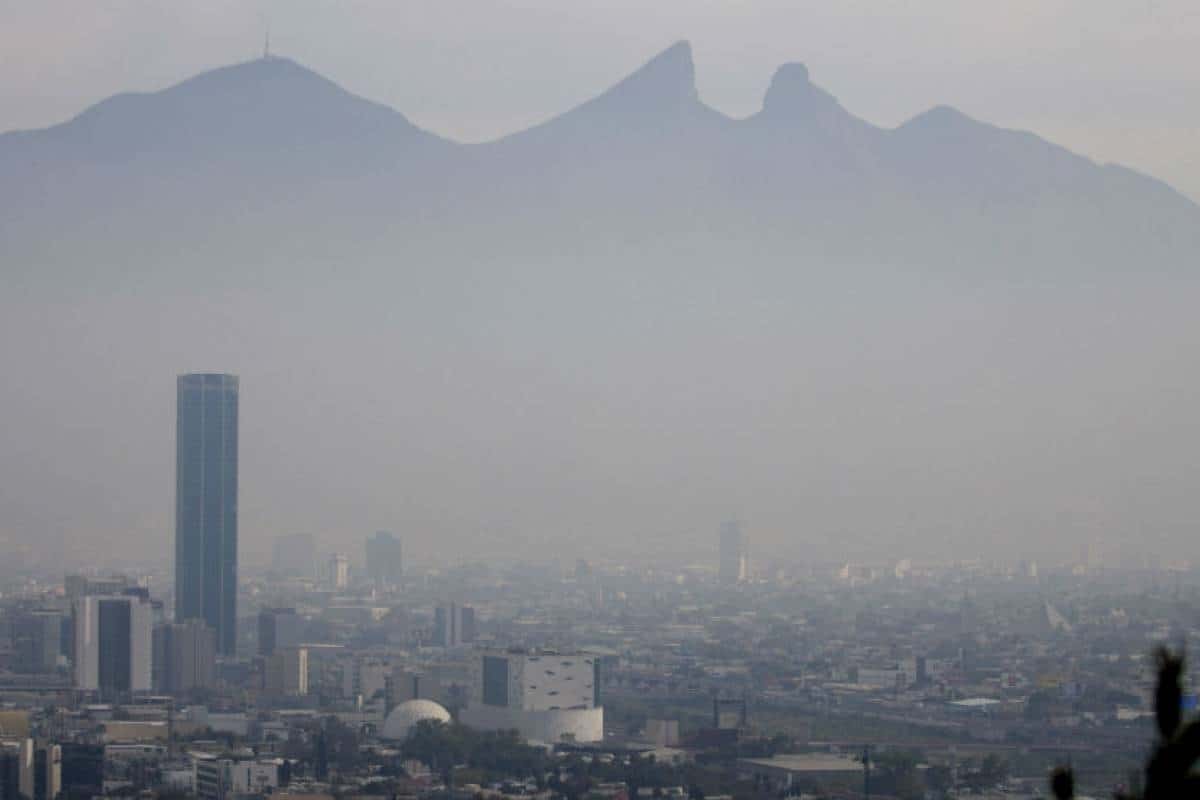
{"x": 206, "y": 482}
{"x": 115, "y": 647}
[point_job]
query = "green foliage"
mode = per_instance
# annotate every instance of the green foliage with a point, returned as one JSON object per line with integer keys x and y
{"x": 497, "y": 754}
{"x": 894, "y": 772}
{"x": 939, "y": 779}
{"x": 342, "y": 745}
{"x": 1062, "y": 783}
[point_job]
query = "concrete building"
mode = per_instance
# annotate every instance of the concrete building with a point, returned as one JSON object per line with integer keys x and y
{"x": 278, "y": 628}
{"x": 39, "y": 770}
{"x": 384, "y": 562}
{"x": 406, "y": 684}
{"x": 113, "y": 644}
{"x": 734, "y": 557}
{"x": 10, "y": 771}
{"x": 82, "y": 769}
{"x": 453, "y": 625}
{"x": 364, "y": 677}
{"x": 78, "y": 586}
{"x": 546, "y": 696}
{"x": 663, "y": 732}
{"x": 447, "y": 682}
{"x": 807, "y": 772}
{"x": 219, "y": 778}
{"x": 285, "y": 672}
{"x": 37, "y": 641}
{"x": 184, "y": 657}
{"x": 729, "y": 713}
{"x": 339, "y": 571}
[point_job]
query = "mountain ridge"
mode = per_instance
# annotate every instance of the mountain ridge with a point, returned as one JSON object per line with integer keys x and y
{"x": 666, "y": 80}
{"x": 647, "y": 157}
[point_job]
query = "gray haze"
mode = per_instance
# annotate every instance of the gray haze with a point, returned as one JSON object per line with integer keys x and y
{"x": 601, "y": 335}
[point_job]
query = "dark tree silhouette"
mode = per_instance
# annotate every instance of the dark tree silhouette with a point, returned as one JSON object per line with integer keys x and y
{"x": 1177, "y": 749}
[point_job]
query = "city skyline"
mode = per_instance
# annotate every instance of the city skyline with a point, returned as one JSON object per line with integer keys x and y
{"x": 729, "y": 400}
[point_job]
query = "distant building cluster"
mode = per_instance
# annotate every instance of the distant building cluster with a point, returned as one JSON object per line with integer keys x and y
{"x": 312, "y": 677}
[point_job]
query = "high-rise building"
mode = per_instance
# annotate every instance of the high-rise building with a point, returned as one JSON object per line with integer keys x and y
{"x": 384, "y": 559}
{"x": 113, "y": 643}
{"x": 364, "y": 676}
{"x": 734, "y": 559}
{"x": 184, "y": 657}
{"x": 285, "y": 672}
{"x": 453, "y": 625}
{"x": 339, "y": 571}
{"x": 278, "y": 628}
{"x": 37, "y": 641}
{"x": 406, "y": 683}
{"x": 40, "y": 770}
{"x": 206, "y": 484}
{"x": 10, "y": 771}
{"x": 79, "y": 586}
{"x": 82, "y": 769}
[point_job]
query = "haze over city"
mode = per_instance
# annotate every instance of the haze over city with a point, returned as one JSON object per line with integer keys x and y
{"x": 699, "y": 400}
{"x": 864, "y": 328}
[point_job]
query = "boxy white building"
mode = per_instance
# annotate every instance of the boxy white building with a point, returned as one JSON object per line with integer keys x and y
{"x": 546, "y": 696}
{"x": 114, "y": 643}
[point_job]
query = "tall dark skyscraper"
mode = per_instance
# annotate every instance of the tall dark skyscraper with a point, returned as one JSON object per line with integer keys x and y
{"x": 206, "y": 483}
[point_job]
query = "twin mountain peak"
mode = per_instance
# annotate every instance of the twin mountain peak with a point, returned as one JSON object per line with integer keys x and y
{"x": 664, "y": 84}
{"x": 645, "y": 158}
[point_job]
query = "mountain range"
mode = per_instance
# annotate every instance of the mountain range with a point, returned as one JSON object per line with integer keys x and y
{"x": 610, "y": 330}
{"x": 271, "y": 146}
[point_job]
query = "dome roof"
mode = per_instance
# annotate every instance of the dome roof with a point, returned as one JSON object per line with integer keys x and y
{"x": 408, "y": 714}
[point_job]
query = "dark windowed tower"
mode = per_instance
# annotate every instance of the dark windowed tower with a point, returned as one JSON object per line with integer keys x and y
{"x": 206, "y": 482}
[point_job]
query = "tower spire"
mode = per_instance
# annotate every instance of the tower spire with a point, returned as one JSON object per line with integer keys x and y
{"x": 267, "y": 44}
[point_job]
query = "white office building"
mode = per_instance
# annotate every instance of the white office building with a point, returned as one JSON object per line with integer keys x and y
{"x": 546, "y": 696}
{"x": 114, "y": 651}
{"x": 222, "y": 778}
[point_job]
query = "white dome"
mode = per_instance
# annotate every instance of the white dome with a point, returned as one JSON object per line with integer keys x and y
{"x": 409, "y": 713}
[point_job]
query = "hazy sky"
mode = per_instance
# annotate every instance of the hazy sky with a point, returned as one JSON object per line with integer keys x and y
{"x": 1112, "y": 79}
{"x": 616, "y": 393}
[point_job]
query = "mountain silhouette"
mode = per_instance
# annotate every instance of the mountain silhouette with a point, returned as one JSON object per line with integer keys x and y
{"x": 263, "y": 109}
{"x": 291, "y": 151}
